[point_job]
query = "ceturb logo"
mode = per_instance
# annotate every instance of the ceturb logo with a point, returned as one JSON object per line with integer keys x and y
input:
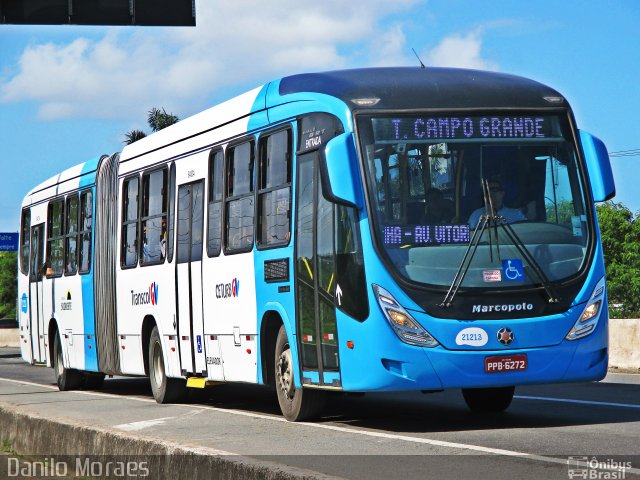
{"x": 145, "y": 298}
{"x": 510, "y": 307}
{"x": 226, "y": 290}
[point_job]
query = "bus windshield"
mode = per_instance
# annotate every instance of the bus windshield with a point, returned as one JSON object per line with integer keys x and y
{"x": 425, "y": 176}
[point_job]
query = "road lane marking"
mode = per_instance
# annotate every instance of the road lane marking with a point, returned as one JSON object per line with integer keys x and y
{"x": 141, "y": 425}
{"x": 137, "y": 426}
{"x": 463, "y": 446}
{"x": 354, "y": 431}
{"x": 582, "y": 402}
{"x": 34, "y": 384}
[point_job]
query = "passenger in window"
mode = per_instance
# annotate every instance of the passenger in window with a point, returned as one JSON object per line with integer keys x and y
{"x": 146, "y": 248}
{"x": 163, "y": 245}
{"x": 84, "y": 255}
{"x": 509, "y": 215}
{"x": 438, "y": 210}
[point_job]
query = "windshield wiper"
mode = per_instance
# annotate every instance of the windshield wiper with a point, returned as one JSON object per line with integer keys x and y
{"x": 484, "y": 222}
{"x": 487, "y": 221}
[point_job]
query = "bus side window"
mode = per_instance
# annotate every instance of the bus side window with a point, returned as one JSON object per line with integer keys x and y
{"x": 25, "y": 239}
{"x": 239, "y": 211}
{"x": 71, "y": 237}
{"x": 216, "y": 177}
{"x": 86, "y": 216}
{"x": 55, "y": 238}
{"x": 274, "y": 190}
{"x": 129, "y": 251}
{"x": 154, "y": 217}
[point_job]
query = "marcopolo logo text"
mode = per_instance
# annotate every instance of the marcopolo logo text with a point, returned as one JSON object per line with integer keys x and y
{"x": 507, "y": 308}
{"x": 149, "y": 297}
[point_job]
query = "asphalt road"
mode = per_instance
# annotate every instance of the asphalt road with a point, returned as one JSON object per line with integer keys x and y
{"x": 545, "y": 432}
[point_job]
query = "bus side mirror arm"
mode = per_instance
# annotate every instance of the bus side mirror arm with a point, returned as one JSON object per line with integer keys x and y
{"x": 598, "y": 165}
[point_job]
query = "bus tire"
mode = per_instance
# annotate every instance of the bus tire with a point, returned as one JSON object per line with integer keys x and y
{"x": 66, "y": 378}
{"x": 488, "y": 400}
{"x": 165, "y": 390}
{"x": 296, "y": 404}
{"x": 94, "y": 381}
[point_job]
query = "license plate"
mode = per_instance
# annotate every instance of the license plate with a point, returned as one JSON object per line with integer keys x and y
{"x": 505, "y": 363}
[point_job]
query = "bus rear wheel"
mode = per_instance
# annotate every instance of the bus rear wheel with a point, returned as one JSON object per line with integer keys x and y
{"x": 66, "y": 378}
{"x": 296, "y": 404}
{"x": 488, "y": 400}
{"x": 165, "y": 390}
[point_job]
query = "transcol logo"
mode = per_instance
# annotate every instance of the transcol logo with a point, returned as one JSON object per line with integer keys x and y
{"x": 226, "y": 290}
{"x": 146, "y": 298}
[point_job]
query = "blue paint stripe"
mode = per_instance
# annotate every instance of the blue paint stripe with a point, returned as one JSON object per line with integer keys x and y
{"x": 88, "y": 301}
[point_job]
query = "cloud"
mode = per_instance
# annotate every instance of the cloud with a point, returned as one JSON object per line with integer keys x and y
{"x": 234, "y": 47}
{"x": 462, "y": 51}
{"x": 389, "y": 48}
{"x": 234, "y": 43}
{"x": 108, "y": 78}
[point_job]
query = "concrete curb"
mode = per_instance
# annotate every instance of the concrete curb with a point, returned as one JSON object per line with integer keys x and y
{"x": 31, "y": 435}
{"x": 624, "y": 343}
{"x": 9, "y": 337}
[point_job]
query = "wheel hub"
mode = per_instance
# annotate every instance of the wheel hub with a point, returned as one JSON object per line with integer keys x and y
{"x": 158, "y": 367}
{"x": 59, "y": 366}
{"x": 285, "y": 373}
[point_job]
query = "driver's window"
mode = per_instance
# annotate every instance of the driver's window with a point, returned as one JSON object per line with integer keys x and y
{"x": 558, "y": 199}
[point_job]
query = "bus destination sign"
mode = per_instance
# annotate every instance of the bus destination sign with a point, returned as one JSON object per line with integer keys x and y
{"x": 399, "y": 129}
{"x": 420, "y": 235}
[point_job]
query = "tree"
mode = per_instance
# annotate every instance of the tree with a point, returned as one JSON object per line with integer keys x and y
{"x": 160, "y": 119}
{"x": 620, "y": 230}
{"x": 133, "y": 136}
{"x": 157, "y": 119}
{"x": 560, "y": 212}
{"x": 8, "y": 284}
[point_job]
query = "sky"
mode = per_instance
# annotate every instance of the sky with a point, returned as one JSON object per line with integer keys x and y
{"x": 69, "y": 93}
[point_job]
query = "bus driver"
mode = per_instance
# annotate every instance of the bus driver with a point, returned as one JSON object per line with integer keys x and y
{"x": 496, "y": 191}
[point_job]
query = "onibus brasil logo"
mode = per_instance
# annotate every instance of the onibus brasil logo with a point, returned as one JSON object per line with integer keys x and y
{"x": 149, "y": 297}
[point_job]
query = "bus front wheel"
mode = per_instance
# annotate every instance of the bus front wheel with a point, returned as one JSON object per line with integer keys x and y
{"x": 488, "y": 400}
{"x": 66, "y": 378}
{"x": 297, "y": 404}
{"x": 165, "y": 389}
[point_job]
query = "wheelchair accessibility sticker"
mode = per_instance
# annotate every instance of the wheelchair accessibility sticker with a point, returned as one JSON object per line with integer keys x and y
{"x": 513, "y": 270}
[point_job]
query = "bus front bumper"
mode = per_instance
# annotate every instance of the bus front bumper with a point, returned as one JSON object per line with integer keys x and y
{"x": 406, "y": 367}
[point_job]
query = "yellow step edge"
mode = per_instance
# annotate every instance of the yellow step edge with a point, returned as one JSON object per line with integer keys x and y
{"x": 196, "y": 382}
{"x": 200, "y": 382}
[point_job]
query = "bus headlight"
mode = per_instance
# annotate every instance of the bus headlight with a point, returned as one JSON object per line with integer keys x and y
{"x": 588, "y": 321}
{"x": 402, "y": 323}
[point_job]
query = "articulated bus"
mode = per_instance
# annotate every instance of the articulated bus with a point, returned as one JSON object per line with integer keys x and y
{"x": 354, "y": 231}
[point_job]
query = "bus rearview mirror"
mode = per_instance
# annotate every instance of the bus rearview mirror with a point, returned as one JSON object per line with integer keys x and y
{"x": 339, "y": 170}
{"x": 599, "y": 167}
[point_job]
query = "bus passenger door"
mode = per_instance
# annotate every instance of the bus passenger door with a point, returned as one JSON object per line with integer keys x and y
{"x": 36, "y": 294}
{"x": 189, "y": 247}
{"x": 316, "y": 283}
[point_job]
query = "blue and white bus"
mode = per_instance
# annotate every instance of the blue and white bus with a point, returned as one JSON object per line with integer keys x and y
{"x": 361, "y": 230}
